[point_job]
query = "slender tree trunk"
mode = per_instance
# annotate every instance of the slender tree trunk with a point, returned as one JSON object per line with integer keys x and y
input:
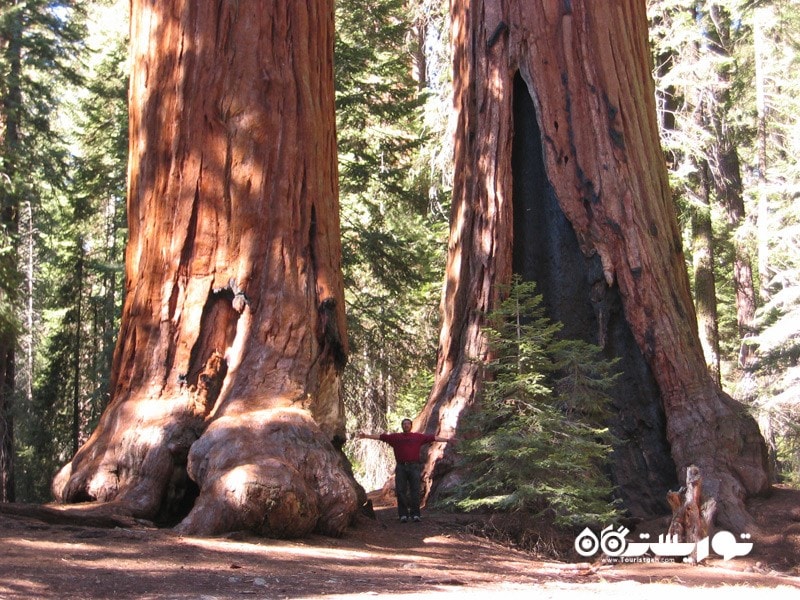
{"x": 77, "y": 351}
{"x": 233, "y": 336}
{"x": 705, "y": 289}
{"x": 760, "y": 17}
{"x": 585, "y": 69}
{"x": 726, "y": 172}
{"x": 111, "y": 299}
{"x": 715, "y": 24}
{"x": 6, "y": 425}
{"x": 30, "y": 314}
{"x": 419, "y": 61}
{"x": 9, "y": 223}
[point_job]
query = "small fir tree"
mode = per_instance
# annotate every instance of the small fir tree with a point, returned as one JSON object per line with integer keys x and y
{"x": 537, "y": 442}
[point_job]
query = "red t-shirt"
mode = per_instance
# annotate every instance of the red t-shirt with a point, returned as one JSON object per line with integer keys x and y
{"x": 407, "y": 446}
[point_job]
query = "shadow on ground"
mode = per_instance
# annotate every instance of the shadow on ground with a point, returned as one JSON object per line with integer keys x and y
{"x": 379, "y": 557}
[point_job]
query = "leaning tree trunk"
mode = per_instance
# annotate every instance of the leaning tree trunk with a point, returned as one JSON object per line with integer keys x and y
{"x": 227, "y": 367}
{"x": 560, "y": 177}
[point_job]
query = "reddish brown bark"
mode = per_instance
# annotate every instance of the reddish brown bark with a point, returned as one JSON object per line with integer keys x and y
{"x": 233, "y": 332}
{"x": 586, "y": 66}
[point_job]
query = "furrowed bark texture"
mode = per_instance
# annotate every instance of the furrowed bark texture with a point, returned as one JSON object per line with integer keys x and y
{"x": 233, "y": 330}
{"x": 583, "y": 108}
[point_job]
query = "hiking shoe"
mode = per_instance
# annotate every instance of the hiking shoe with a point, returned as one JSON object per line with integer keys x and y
{"x": 416, "y": 519}
{"x": 404, "y": 519}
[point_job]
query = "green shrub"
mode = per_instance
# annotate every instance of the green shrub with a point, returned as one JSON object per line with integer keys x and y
{"x": 537, "y": 440}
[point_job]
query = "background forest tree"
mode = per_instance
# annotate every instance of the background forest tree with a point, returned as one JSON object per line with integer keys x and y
{"x": 735, "y": 60}
{"x": 393, "y": 216}
{"x": 82, "y": 269}
{"x": 725, "y": 75}
{"x": 39, "y": 52}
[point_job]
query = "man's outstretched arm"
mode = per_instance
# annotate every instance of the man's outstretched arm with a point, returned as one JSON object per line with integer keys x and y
{"x": 367, "y": 436}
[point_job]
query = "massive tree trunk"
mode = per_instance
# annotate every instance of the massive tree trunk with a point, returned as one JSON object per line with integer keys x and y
{"x": 227, "y": 369}
{"x": 560, "y": 177}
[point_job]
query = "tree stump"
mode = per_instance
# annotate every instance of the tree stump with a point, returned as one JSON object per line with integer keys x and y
{"x": 692, "y": 515}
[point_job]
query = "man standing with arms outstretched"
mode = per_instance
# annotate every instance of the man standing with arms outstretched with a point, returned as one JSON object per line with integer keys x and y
{"x": 407, "y": 446}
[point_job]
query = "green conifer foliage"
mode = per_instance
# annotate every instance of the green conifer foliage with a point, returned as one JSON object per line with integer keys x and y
{"x": 776, "y": 63}
{"x": 76, "y": 242}
{"x": 537, "y": 442}
{"x": 778, "y": 367}
{"x": 392, "y": 239}
{"x": 738, "y": 60}
{"x": 39, "y": 43}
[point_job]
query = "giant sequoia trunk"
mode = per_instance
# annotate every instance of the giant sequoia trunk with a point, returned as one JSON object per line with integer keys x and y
{"x": 226, "y": 402}
{"x": 560, "y": 178}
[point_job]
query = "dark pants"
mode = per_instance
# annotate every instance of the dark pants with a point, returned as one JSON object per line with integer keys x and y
{"x": 406, "y": 486}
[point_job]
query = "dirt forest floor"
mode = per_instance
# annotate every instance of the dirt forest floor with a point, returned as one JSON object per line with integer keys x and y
{"x": 377, "y": 558}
